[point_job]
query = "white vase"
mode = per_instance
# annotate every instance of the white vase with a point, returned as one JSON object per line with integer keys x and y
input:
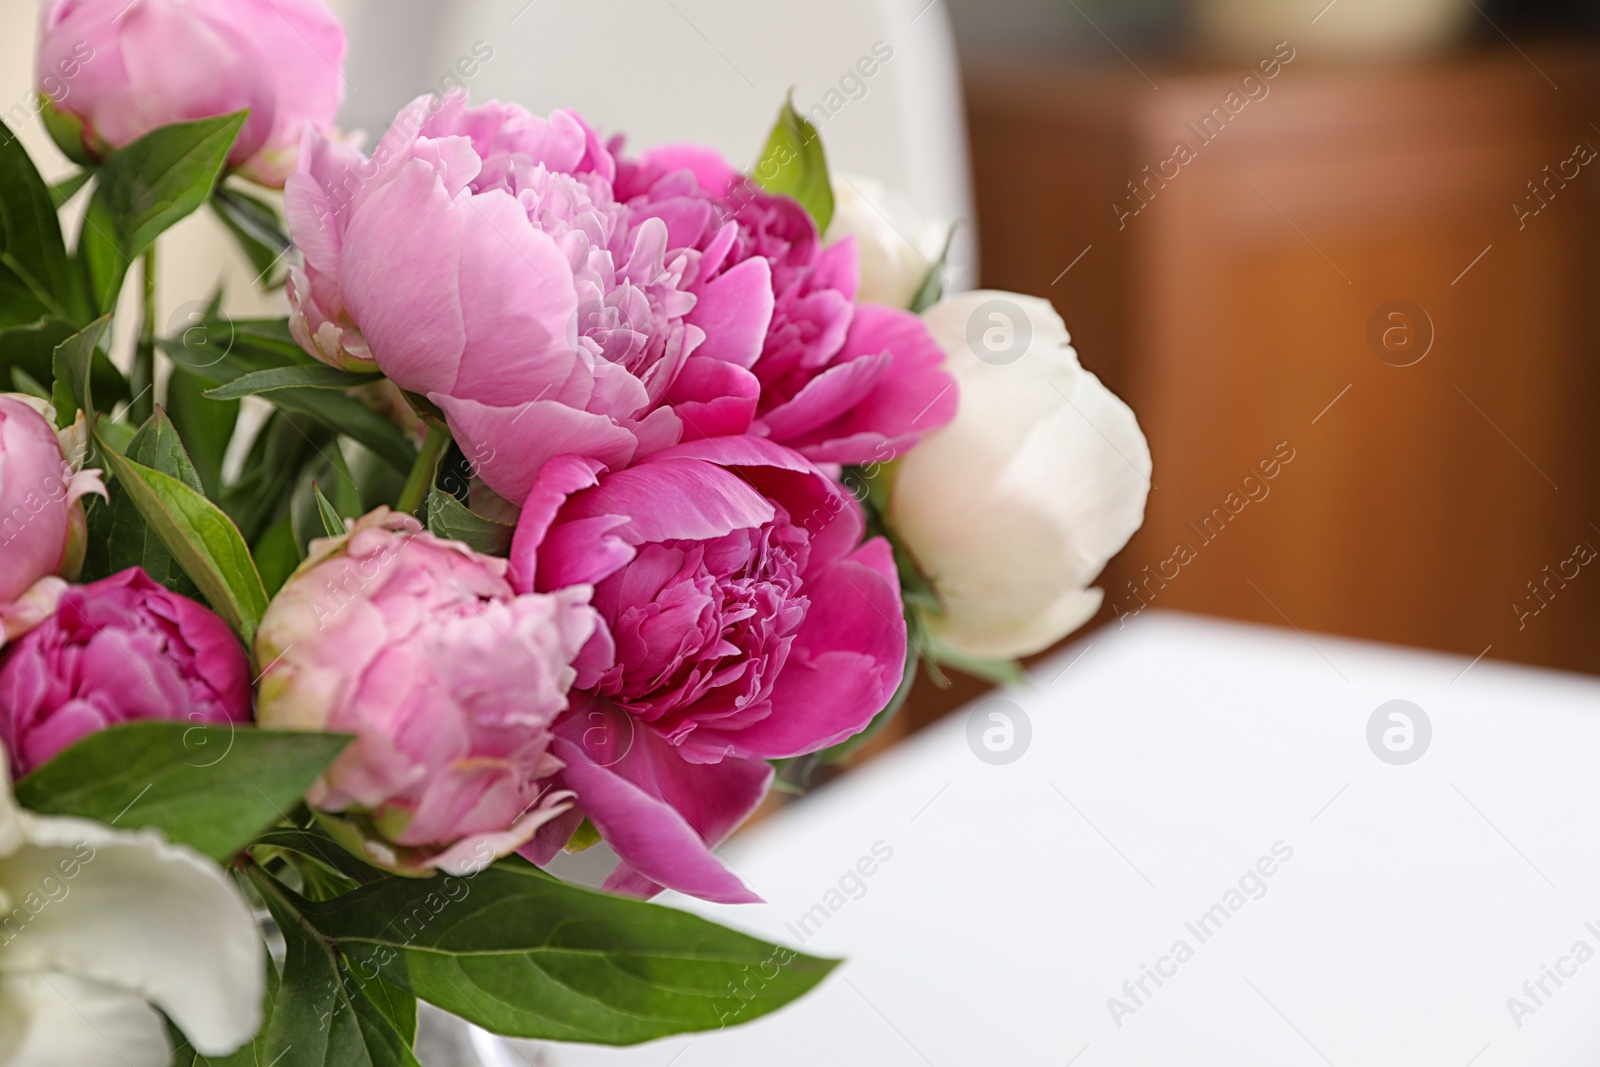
{"x": 1343, "y": 29}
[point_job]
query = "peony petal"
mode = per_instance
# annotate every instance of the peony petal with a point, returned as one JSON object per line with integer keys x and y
{"x": 1052, "y": 471}
{"x": 846, "y": 663}
{"x": 660, "y": 814}
{"x": 55, "y": 1020}
{"x": 303, "y": 46}
{"x": 512, "y": 444}
{"x": 912, "y": 396}
{"x": 815, "y": 502}
{"x": 735, "y": 309}
{"x": 710, "y": 170}
{"x": 826, "y": 398}
{"x": 713, "y": 398}
{"x": 556, "y": 480}
{"x": 518, "y": 302}
{"x": 32, "y": 608}
{"x": 144, "y": 916}
{"x": 668, "y": 498}
{"x": 160, "y": 92}
{"x": 399, "y": 275}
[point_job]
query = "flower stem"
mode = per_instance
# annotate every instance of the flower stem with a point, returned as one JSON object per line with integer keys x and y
{"x": 421, "y": 478}
{"x": 143, "y": 379}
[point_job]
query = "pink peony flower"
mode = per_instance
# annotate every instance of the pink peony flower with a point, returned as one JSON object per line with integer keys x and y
{"x": 479, "y": 258}
{"x": 744, "y": 621}
{"x": 837, "y": 381}
{"x": 448, "y": 679}
{"x": 117, "y": 650}
{"x": 41, "y": 521}
{"x": 122, "y": 69}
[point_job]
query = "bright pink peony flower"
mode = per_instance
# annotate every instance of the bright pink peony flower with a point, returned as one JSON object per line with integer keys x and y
{"x": 479, "y": 258}
{"x": 118, "y": 650}
{"x": 41, "y": 521}
{"x": 448, "y": 679}
{"x": 122, "y": 69}
{"x": 837, "y": 381}
{"x": 744, "y": 621}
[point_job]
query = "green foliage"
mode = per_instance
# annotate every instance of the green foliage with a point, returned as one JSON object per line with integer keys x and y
{"x": 37, "y": 279}
{"x": 211, "y": 787}
{"x": 256, "y": 227}
{"x": 931, "y": 291}
{"x": 794, "y": 164}
{"x": 142, "y": 190}
{"x": 449, "y": 516}
{"x": 523, "y": 954}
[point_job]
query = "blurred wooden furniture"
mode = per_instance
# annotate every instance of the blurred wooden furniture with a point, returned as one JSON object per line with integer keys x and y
{"x": 1230, "y": 299}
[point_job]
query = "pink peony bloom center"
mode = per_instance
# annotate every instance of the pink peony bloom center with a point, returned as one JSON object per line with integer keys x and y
{"x": 703, "y": 628}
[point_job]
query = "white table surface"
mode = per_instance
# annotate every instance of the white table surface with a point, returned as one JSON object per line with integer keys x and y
{"x": 1166, "y": 759}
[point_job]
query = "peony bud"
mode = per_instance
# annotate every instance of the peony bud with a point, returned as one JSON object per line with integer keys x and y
{"x": 112, "y": 71}
{"x": 118, "y": 650}
{"x": 1015, "y": 507}
{"x": 449, "y": 681}
{"x": 897, "y": 245}
{"x": 41, "y": 520}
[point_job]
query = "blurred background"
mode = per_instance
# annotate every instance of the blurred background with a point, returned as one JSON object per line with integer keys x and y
{"x": 1339, "y": 255}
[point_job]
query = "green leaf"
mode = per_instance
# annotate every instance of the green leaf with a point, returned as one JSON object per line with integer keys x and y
{"x": 315, "y": 844}
{"x": 284, "y": 447}
{"x": 23, "y": 382}
{"x": 222, "y": 351}
{"x": 158, "y": 447}
{"x": 449, "y": 516}
{"x": 117, "y": 436}
{"x": 36, "y": 277}
{"x": 143, "y": 189}
{"x": 201, "y": 538}
{"x": 313, "y": 376}
{"x": 998, "y": 671}
{"x": 31, "y": 349}
{"x": 795, "y": 165}
{"x": 332, "y": 522}
{"x": 348, "y": 416}
{"x": 119, "y": 536}
{"x": 72, "y": 362}
{"x": 323, "y": 1015}
{"x": 931, "y": 291}
{"x": 63, "y": 191}
{"x": 206, "y": 425}
{"x": 211, "y": 787}
{"x": 525, "y": 955}
{"x": 256, "y": 227}
{"x": 392, "y": 1002}
{"x": 277, "y": 554}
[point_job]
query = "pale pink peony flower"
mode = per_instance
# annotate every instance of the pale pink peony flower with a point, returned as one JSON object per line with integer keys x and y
{"x": 480, "y": 259}
{"x": 122, "y": 69}
{"x": 118, "y": 650}
{"x": 448, "y": 679}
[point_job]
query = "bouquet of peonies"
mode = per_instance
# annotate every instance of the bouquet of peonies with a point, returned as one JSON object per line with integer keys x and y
{"x": 578, "y": 497}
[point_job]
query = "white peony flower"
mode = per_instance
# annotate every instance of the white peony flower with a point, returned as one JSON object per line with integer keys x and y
{"x": 1014, "y": 508}
{"x": 99, "y": 928}
{"x": 898, "y": 246}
